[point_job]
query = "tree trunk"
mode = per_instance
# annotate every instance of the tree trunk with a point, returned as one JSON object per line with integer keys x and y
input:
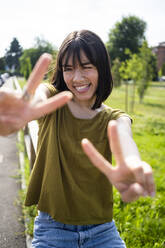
{"x": 126, "y": 96}
{"x": 133, "y": 97}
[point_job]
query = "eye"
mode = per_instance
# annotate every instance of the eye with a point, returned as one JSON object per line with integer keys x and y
{"x": 87, "y": 66}
{"x": 67, "y": 68}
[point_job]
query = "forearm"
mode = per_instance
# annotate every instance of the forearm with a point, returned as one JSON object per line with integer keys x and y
{"x": 128, "y": 146}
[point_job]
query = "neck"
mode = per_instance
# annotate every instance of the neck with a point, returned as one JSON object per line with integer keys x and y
{"x": 82, "y": 112}
{"x": 85, "y": 104}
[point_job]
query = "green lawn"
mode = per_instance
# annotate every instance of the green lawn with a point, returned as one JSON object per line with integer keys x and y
{"x": 142, "y": 223}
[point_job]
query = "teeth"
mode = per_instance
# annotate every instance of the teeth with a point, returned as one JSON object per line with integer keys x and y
{"x": 81, "y": 87}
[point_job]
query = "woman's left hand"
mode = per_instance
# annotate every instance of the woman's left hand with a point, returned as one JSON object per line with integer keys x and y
{"x": 17, "y": 110}
{"x": 132, "y": 177}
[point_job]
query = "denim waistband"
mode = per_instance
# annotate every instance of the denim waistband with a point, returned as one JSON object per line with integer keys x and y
{"x": 42, "y": 216}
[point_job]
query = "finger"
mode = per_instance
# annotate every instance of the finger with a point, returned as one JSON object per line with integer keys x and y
{"x": 115, "y": 142}
{"x": 96, "y": 158}
{"x": 9, "y": 125}
{"x": 8, "y": 99}
{"x": 51, "y": 104}
{"x": 38, "y": 72}
{"x": 149, "y": 180}
{"x": 132, "y": 193}
{"x": 136, "y": 167}
{"x": 7, "y": 93}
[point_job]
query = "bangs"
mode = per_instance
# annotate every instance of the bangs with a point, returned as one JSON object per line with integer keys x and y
{"x": 74, "y": 50}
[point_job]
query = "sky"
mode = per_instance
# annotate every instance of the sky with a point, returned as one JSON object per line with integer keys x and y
{"x": 53, "y": 20}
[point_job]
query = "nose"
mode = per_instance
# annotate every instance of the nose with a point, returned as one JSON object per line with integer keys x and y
{"x": 78, "y": 75}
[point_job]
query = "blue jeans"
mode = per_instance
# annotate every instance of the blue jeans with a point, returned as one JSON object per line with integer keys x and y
{"x": 49, "y": 233}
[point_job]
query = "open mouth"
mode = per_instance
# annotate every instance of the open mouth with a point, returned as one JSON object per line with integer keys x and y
{"x": 82, "y": 88}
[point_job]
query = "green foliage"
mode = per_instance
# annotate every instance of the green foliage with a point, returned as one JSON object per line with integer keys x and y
{"x": 146, "y": 73}
{"x": 129, "y": 33}
{"x": 12, "y": 56}
{"x": 2, "y": 65}
{"x": 139, "y": 69}
{"x": 153, "y": 63}
{"x": 142, "y": 223}
{"x": 131, "y": 68}
{"x": 116, "y": 72}
{"x": 163, "y": 69}
{"x": 160, "y": 72}
{"x": 22, "y": 82}
{"x": 26, "y": 66}
{"x": 28, "y": 212}
{"x": 31, "y": 55}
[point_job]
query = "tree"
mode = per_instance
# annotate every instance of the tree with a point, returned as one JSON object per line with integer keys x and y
{"x": 160, "y": 72}
{"x": 2, "y": 65}
{"x": 116, "y": 72}
{"x": 163, "y": 69}
{"x": 139, "y": 69}
{"x": 41, "y": 46}
{"x": 146, "y": 74}
{"x": 31, "y": 55}
{"x": 26, "y": 66}
{"x": 153, "y": 63}
{"x": 12, "y": 56}
{"x": 130, "y": 71}
{"x": 129, "y": 33}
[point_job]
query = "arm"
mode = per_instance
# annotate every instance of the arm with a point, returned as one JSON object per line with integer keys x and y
{"x": 131, "y": 176}
{"x": 128, "y": 146}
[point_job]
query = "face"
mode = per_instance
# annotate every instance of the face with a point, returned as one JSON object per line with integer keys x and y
{"x": 81, "y": 80}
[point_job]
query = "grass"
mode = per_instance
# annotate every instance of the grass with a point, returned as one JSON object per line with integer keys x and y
{"x": 28, "y": 212}
{"x": 22, "y": 82}
{"x": 142, "y": 223}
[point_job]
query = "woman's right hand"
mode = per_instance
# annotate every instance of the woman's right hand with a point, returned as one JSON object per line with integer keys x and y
{"x": 17, "y": 110}
{"x": 131, "y": 176}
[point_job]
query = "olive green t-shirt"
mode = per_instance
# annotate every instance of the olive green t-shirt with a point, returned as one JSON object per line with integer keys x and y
{"x": 63, "y": 182}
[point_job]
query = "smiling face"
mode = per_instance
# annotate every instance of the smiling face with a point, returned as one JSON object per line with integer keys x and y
{"x": 83, "y": 66}
{"x": 81, "y": 79}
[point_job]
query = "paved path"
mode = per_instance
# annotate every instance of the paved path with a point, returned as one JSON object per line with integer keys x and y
{"x": 11, "y": 228}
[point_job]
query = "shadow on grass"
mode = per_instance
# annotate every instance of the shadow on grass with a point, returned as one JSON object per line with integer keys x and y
{"x": 154, "y": 105}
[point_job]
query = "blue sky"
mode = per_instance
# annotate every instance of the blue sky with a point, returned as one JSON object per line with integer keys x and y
{"x": 53, "y": 20}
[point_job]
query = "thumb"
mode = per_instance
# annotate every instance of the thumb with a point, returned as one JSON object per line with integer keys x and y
{"x": 38, "y": 72}
{"x": 97, "y": 159}
{"x": 132, "y": 193}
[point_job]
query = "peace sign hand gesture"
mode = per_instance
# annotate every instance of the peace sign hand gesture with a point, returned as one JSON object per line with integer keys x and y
{"x": 17, "y": 110}
{"x": 131, "y": 177}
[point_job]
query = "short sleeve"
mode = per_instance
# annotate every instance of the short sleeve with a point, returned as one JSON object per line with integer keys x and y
{"x": 117, "y": 113}
{"x": 53, "y": 91}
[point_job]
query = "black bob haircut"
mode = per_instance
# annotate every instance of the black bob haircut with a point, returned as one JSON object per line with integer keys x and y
{"x": 95, "y": 51}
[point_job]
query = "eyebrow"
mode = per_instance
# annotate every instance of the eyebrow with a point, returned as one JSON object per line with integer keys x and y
{"x": 82, "y": 64}
{"x": 65, "y": 65}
